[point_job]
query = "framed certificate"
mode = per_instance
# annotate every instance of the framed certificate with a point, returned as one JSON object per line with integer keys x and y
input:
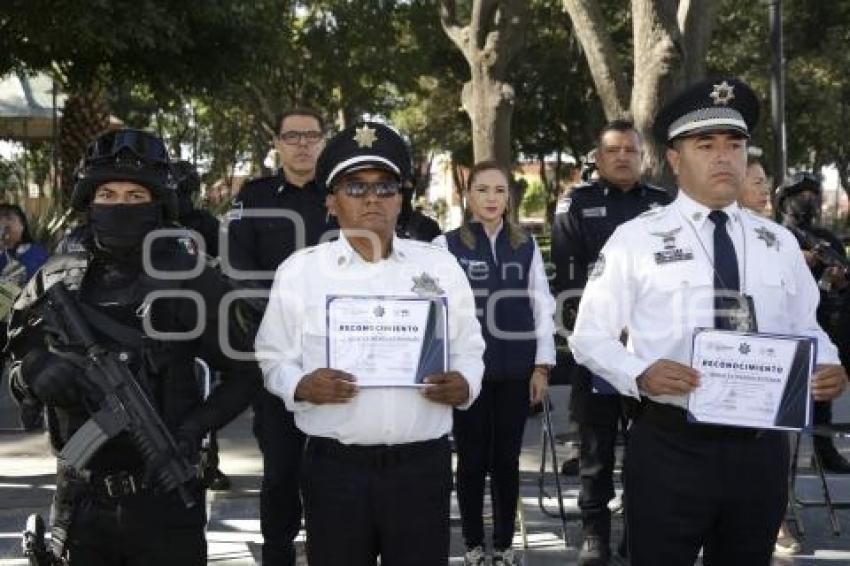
{"x": 752, "y": 380}
{"x": 386, "y": 341}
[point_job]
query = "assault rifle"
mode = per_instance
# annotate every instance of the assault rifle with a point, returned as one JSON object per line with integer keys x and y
{"x": 822, "y": 250}
{"x": 123, "y": 406}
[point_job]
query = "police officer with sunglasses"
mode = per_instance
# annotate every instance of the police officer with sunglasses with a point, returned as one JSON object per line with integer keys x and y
{"x": 377, "y": 466}
{"x": 147, "y": 297}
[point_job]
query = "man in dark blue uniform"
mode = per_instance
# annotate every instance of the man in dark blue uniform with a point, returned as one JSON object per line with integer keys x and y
{"x": 581, "y": 228}
{"x": 271, "y": 218}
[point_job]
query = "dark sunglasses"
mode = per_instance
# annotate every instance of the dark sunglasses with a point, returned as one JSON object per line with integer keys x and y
{"x": 359, "y": 189}
{"x": 294, "y": 137}
{"x": 142, "y": 145}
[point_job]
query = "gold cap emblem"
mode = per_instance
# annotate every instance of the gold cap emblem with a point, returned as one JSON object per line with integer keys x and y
{"x": 365, "y": 136}
{"x": 722, "y": 93}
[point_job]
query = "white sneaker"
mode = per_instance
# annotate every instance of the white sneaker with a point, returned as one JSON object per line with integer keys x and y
{"x": 475, "y": 557}
{"x": 506, "y": 557}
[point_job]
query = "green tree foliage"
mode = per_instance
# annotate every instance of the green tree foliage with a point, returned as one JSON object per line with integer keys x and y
{"x": 557, "y": 110}
{"x": 817, "y": 70}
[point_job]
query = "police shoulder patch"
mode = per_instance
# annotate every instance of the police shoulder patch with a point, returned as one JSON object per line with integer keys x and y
{"x": 563, "y": 205}
{"x": 235, "y": 212}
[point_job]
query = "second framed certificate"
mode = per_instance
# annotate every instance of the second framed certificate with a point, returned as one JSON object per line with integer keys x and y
{"x": 752, "y": 380}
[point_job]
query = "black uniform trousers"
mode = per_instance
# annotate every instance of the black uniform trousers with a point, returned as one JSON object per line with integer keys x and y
{"x": 598, "y": 417}
{"x": 489, "y": 439}
{"x": 362, "y": 502}
{"x": 690, "y": 486}
{"x": 281, "y": 444}
{"x": 138, "y": 530}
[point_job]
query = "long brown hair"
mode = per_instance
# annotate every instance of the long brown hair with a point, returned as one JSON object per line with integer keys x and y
{"x": 516, "y": 235}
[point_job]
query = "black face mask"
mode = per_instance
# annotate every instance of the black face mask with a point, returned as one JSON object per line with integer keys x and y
{"x": 123, "y": 227}
{"x": 801, "y": 212}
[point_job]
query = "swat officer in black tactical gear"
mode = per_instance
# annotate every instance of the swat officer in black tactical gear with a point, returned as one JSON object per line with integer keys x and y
{"x": 188, "y": 183}
{"x": 201, "y": 221}
{"x": 271, "y": 218}
{"x": 111, "y": 510}
{"x": 798, "y": 202}
{"x": 587, "y": 219}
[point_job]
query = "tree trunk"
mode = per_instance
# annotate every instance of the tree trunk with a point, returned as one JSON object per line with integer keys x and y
{"x": 605, "y": 68}
{"x": 489, "y": 103}
{"x": 671, "y": 38}
{"x": 84, "y": 117}
{"x": 489, "y": 42}
{"x": 657, "y": 62}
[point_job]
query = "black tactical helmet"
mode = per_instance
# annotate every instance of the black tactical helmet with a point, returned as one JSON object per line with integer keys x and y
{"x": 186, "y": 177}
{"x": 796, "y": 184}
{"x": 126, "y": 155}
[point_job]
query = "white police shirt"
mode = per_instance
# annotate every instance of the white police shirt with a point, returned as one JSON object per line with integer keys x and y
{"x": 291, "y": 341}
{"x": 655, "y": 279}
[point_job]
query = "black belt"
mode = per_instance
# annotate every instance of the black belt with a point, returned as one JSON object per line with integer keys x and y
{"x": 113, "y": 484}
{"x": 379, "y": 455}
{"x": 675, "y": 419}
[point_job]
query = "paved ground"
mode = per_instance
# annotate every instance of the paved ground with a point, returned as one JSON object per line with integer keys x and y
{"x": 26, "y": 485}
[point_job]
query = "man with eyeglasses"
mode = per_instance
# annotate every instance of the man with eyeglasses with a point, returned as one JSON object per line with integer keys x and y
{"x": 271, "y": 218}
{"x": 586, "y": 220}
{"x": 377, "y": 468}
{"x": 113, "y": 509}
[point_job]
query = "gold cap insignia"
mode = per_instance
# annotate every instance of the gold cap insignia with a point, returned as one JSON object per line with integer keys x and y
{"x": 365, "y": 136}
{"x": 722, "y": 93}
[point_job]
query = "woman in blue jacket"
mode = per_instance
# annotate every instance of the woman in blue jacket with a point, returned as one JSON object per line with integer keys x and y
{"x": 515, "y": 309}
{"x": 20, "y": 256}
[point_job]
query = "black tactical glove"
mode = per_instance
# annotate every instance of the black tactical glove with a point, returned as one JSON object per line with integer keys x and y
{"x": 188, "y": 439}
{"x": 51, "y": 378}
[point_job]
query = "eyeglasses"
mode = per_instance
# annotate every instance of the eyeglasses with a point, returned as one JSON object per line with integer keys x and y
{"x": 294, "y": 137}
{"x": 358, "y": 189}
{"x": 142, "y": 145}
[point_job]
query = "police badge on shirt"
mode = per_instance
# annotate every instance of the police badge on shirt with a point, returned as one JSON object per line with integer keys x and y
{"x": 670, "y": 252}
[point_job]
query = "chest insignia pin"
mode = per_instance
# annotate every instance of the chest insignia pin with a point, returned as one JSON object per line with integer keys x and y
{"x": 769, "y": 238}
{"x": 425, "y": 285}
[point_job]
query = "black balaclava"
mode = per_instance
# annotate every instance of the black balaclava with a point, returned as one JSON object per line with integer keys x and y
{"x": 120, "y": 229}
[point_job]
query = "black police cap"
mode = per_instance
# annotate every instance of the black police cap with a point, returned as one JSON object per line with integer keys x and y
{"x": 710, "y": 106}
{"x": 366, "y": 145}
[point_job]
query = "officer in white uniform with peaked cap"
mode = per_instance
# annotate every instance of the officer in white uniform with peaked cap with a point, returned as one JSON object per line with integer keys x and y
{"x": 377, "y": 467}
{"x": 692, "y": 486}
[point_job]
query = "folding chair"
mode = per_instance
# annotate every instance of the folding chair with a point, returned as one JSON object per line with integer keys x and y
{"x": 835, "y": 430}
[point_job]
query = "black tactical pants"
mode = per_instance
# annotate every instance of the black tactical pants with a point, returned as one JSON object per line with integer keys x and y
{"x": 144, "y": 529}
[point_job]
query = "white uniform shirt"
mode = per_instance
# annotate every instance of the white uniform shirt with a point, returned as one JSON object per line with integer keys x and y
{"x": 542, "y": 302}
{"x": 291, "y": 341}
{"x": 661, "y": 303}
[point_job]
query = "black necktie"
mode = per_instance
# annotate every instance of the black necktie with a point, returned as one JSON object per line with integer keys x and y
{"x": 726, "y": 279}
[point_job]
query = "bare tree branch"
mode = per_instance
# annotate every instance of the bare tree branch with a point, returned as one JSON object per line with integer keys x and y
{"x": 456, "y": 33}
{"x": 590, "y": 28}
{"x": 696, "y": 20}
